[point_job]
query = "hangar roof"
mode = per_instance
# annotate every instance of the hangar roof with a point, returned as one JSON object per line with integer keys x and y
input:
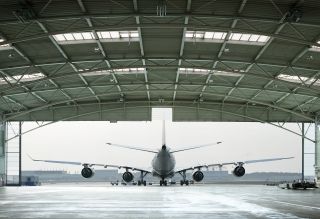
{"x": 210, "y": 60}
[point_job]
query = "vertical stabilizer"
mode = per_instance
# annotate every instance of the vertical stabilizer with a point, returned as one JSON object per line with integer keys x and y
{"x": 163, "y": 132}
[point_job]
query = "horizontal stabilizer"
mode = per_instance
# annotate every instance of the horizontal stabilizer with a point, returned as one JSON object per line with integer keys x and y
{"x": 133, "y": 148}
{"x": 197, "y": 146}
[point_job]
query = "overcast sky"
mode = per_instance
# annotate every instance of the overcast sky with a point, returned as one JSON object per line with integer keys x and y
{"x": 85, "y": 142}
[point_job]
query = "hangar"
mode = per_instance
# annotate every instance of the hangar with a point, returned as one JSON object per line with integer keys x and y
{"x": 208, "y": 60}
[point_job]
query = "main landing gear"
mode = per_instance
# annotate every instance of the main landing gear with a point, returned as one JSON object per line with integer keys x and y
{"x": 184, "y": 182}
{"x": 184, "y": 178}
{"x": 163, "y": 182}
{"x": 141, "y": 181}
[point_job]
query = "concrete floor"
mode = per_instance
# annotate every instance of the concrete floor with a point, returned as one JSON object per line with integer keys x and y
{"x": 196, "y": 201}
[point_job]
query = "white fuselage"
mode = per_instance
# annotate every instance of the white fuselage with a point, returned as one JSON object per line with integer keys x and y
{"x": 163, "y": 164}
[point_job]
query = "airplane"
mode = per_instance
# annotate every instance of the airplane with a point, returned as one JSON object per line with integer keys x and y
{"x": 163, "y": 164}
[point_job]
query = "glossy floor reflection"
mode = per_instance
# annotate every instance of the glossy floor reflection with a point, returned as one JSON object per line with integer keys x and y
{"x": 196, "y": 201}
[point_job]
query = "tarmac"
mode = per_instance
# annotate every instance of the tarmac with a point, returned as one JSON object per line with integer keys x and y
{"x": 195, "y": 201}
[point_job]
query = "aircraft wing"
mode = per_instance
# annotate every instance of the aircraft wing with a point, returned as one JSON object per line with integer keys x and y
{"x": 92, "y": 164}
{"x": 232, "y": 163}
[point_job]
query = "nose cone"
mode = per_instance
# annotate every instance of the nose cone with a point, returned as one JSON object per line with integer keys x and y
{"x": 164, "y": 147}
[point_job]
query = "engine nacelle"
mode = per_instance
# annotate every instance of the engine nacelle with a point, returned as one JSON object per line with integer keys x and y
{"x": 239, "y": 171}
{"x": 87, "y": 172}
{"x": 197, "y": 176}
{"x": 127, "y": 176}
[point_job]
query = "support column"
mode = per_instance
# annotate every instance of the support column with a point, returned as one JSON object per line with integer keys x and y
{"x": 302, "y": 153}
{"x": 2, "y": 153}
{"x": 317, "y": 151}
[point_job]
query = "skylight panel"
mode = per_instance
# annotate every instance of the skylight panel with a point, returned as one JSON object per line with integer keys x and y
{"x": 205, "y": 35}
{"x": 241, "y": 37}
{"x": 78, "y": 36}
{"x": 116, "y": 71}
{"x": 316, "y": 48}
{"x": 115, "y": 34}
{"x": 297, "y": 79}
{"x": 118, "y": 35}
{"x": 263, "y": 39}
{"x": 69, "y": 36}
{"x": 104, "y": 35}
{"x": 219, "y": 35}
{"x": 235, "y": 36}
{"x": 87, "y": 36}
{"x": 198, "y": 71}
{"x": 208, "y": 35}
{"x": 22, "y": 78}
{"x": 74, "y": 37}
{"x": 254, "y": 38}
{"x": 4, "y": 46}
{"x": 59, "y": 37}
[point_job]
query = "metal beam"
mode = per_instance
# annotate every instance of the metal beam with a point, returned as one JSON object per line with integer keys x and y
{"x": 254, "y": 75}
{"x": 115, "y": 15}
{"x": 146, "y": 105}
{"x": 135, "y": 6}
{"x": 160, "y": 26}
{"x": 33, "y": 93}
{"x": 172, "y": 58}
{"x": 186, "y": 21}
{"x": 82, "y": 98}
{"x": 184, "y": 84}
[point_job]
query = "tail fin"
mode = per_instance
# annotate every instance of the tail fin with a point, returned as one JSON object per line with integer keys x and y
{"x": 163, "y": 133}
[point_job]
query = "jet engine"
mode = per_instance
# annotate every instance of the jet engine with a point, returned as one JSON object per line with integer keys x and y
{"x": 239, "y": 171}
{"x": 87, "y": 172}
{"x": 127, "y": 176}
{"x": 197, "y": 176}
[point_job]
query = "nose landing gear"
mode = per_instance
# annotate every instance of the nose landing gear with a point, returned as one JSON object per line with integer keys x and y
{"x": 163, "y": 182}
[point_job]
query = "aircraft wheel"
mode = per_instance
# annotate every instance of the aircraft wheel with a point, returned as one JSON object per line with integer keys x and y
{"x": 165, "y": 182}
{"x": 139, "y": 183}
{"x": 181, "y": 182}
{"x": 144, "y": 183}
{"x": 160, "y": 182}
{"x": 187, "y": 182}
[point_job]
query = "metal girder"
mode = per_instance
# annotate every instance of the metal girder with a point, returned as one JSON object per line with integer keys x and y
{"x": 170, "y": 58}
{"x": 135, "y": 6}
{"x": 304, "y": 103}
{"x": 17, "y": 82}
{"x": 255, "y": 75}
{"x": 260, "y": 53}
{"x": 102, "y": 50}
{"x": 186, "y": 21}
{"x": 303, "y": 52}
{"x": 222, "y": 48}
{"x": 265, "y": 47}
{"x": 17, "y": 103}
{"x": 237, "y": 82}
{"x": 65, "y": 56}
{"x": 184, "y": 84}
{"x": 42, "y": 18}
{"x": 233, "y": 25}
{"x": 161, "y": 26}
{"x": 167, "y": 90}
{"x": 34, "y": 94}
{"x": 146, "y": 105}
